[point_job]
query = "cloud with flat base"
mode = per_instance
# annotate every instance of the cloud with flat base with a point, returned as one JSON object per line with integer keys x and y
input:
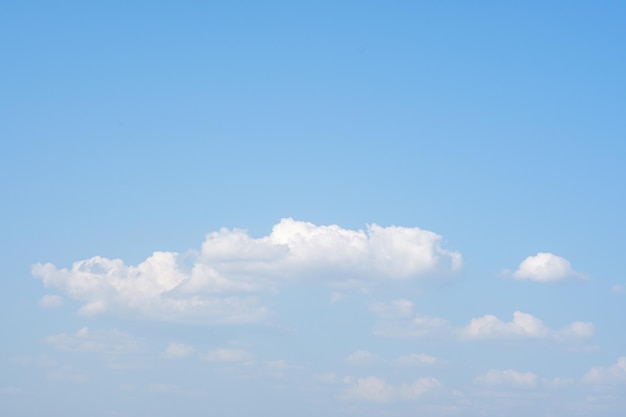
{"x": 545, "y": 267}
{"x": 221, "y": 283}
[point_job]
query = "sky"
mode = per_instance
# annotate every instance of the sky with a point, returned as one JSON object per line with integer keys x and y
{"x": 312, "y": 208}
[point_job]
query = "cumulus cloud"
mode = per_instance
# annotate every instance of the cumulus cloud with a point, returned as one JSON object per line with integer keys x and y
{"x": 613, "y": 374}
{"x": 377, "y": 390}
{"x": 51, "y": 301}
{"x": 523, "y": 325}
{"x": 178, "y": 351}
{"x": 99, "y": 341}
{"x": 545, "y": 267}
{"x": 508, "y": 377}
{"x": 217, "y": 283}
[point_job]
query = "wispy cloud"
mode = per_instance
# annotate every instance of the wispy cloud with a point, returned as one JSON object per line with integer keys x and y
{"x": 377, "y": 390}
{"x": 99, "y": 341}
{"x": 51, "y": 301}
{"x": 508, "y": 377}
{"x": 178, "y": 351}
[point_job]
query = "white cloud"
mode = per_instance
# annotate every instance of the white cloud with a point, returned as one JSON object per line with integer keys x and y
{"x": 420, "y": 325}
{"x": 51, "y": 301}
{"x": 508, "y": 377}
{"x": 612, "y": 374}
{"x": 618, "y": 289}
{"x": 228, "y": 355}
{"x": 417, "y": 359}
{"x": 178, "y": 351}
{"x": 545, "y": 267}
{"x": 214, "y": 285}
{"x": 523, "y": 325}
{"x": 373, "y": 389}
{"x": 361, "y": 357}
{"x": 100, "y": 341}
{"x": 576, "y": 330}
{"x": 392, "y": 309}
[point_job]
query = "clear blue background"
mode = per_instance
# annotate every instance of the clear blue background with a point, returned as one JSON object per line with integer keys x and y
{"x": 129, "y": 127}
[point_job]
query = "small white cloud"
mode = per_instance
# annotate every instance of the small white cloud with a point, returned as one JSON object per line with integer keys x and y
{"x": 417, "y": 359}
{"x": 392, "y": 309}
{"x": 545, "y": 267}
{"x": 420, "y": 325}
{"x": 508, "y": 377}
{"x": 618, "y": 289}
{"x": 99, "y": 341}
{"x": 613, "y": 374}
{"x": 361, "y": 357}
{"x": 178, "y": 351}
{"x": 51, "y": 301}
{"x": 377, "y": 390}
{"x": 228, "y": 355}
{"x": 523, "y": 325}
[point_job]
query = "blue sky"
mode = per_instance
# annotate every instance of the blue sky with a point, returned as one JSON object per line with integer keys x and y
{"x": 332, "y": 208}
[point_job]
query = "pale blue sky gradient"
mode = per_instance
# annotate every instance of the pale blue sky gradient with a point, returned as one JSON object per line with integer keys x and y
{"x": 133, "y": 127}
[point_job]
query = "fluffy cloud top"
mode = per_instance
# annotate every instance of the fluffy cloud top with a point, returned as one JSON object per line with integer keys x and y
{"x": 210, "y": 285}
{"x": 508, "y": 377}
{"x": 612, "y": 374}
{"x": 523, "y": 325}
{"x": 545, "y": 267}
{"x": 373, "y": 389}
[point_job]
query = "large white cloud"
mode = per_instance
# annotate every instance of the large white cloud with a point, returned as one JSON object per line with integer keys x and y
{"x": 216, "y": 283}
{"x": 523, "y": 325}
{"x": 545, "y": 267}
